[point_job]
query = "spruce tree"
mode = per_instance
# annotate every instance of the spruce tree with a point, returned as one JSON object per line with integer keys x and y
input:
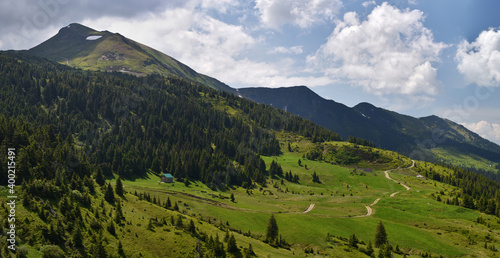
{"x": 380, "y": 235}
{"x": 120, "y": 249}
{"x": 119, "y": 187}
{"x": 109, "y": 195}
{"x": 272, "y": 231}
{"x": 77, "y": 237}
{"x": 168, "y": 205}
{"x": 99, "y": 177}
{"x": 232, "y": 247}
{"x": 369, "y": 249}
{"x": 353, "y": 241}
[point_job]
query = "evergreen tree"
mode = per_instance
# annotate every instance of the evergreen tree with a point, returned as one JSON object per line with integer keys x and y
{"x": 192, "y": 227}
{"x": 249, "y": 251}
{"x": 369, "y": 249}
{"x": 315, "y": 178}
{"x": 272, "y": 231}
{"x": 120, "y": 249}
{"x": 168, "y": 204}
{"x": 109, "y": 195}
{"x": 232, "y": 247}
{"x": 380, "y": 235}
{"x": 119, "y": 187}
{"x": 119, "y": 213}
{"x": 232, "y": 197}
{"x": 77, "y": 237}
{"x": 179, "y": 222}
{"x": 353, "y": 241}
{"x": 99, "y": 177}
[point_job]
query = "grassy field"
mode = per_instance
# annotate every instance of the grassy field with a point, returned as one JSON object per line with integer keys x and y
{"x": 414, "y": 220}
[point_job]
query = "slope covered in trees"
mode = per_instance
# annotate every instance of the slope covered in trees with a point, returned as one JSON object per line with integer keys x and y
{"x": 128, "y": 125}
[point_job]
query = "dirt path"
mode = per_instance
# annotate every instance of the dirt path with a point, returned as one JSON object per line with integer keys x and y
{"x": 393, "y": 194}
{"x": 369, "y": 210}
{"x": 388, "y": 177}
{"x": 309, "y": 209}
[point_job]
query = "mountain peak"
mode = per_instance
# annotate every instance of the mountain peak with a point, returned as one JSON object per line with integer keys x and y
{"x": 77, "y": 28}
{"x": 82, "y": 47}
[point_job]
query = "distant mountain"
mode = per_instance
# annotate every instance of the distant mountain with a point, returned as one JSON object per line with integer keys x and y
{"x": 411, "y": 136}
{"x": 86, "y": 48}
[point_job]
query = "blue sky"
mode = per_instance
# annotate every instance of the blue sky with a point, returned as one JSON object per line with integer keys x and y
{"x": 412, "y": 56}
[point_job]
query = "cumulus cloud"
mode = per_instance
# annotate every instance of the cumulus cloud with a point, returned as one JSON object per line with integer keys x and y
{"x": 304, "y": 14}
{"x": 287, "y": 50}
{"x": 490, "y": 131}
{"x": 209, "y": 46}
{"x": 391, "y": 52}
{"x": 479, "y": 61}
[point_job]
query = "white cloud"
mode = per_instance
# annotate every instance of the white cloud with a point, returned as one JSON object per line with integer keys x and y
{"x": 479, "y": 61}
{"x": 304, "y": 14}
{"x": 391, "y": 52}
{"x": 287, "y": 50}
{"x": 220, "y": 5}
{"x": 368, "y": 3}
{"x": 490, "y": 131}
{"x": 209, "y": 46}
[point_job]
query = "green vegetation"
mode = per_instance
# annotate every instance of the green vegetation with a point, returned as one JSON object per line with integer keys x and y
{"x": 90, "y": 148}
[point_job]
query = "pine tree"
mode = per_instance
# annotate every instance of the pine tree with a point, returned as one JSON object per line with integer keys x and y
{"x": 109, "y": 195}
{"x": 120, "y": 249}
{"x": 192, "y": 227}
{"x": 77, "y": 237}
{"x": 119, "y": 187}
{"x": 168, "y": 204}
{"x": 272, "y": 231}
{"x": 119, "y": 213}
{"x": 353, "y": 241}
{"x": 380, "y": 235}
{"x": 249, "y": 251}
{"x": 232, "y": 247}
{"x": 179, "y": 222}
{"x": 232, "y": 197}
{"x": 387, "y": 250}
{"x": 99, "y": 177}
{"x": 369, "y": 249}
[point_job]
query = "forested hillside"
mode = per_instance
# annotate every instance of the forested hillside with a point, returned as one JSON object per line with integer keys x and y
{"x": 128, "y": 125}
{"x": 89, "y": 148}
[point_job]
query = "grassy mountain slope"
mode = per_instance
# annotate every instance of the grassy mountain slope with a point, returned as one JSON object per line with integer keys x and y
{"x": 385, "y": 128}
{"x": 114, "y": 52}
{"x": 72, "y": 127}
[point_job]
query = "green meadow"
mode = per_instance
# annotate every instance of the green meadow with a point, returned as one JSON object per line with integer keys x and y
{"x": 414, "y": 220}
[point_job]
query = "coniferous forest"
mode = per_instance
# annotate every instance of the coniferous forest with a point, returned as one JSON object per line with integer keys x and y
{"x": 127, "y": 125}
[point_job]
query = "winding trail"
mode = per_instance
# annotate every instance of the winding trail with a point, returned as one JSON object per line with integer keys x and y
{"x": 388, "y": 177}
{"x": 309, "y": 209}
{"x": 369, "y": 210}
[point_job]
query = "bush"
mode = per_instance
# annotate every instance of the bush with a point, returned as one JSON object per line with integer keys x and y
{"x": 52, "y": 251}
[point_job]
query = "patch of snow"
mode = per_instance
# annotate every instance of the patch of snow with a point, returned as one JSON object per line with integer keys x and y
{"x": 93, "y": 37}
{"x": 363, "y": 115}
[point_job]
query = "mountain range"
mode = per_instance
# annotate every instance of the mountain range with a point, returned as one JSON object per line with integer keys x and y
{"x": 419, "y": 137}
{"x": 82, "y": 47}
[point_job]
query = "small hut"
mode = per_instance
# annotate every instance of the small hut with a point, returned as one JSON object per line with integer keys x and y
{"x": 167, "y": 178}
